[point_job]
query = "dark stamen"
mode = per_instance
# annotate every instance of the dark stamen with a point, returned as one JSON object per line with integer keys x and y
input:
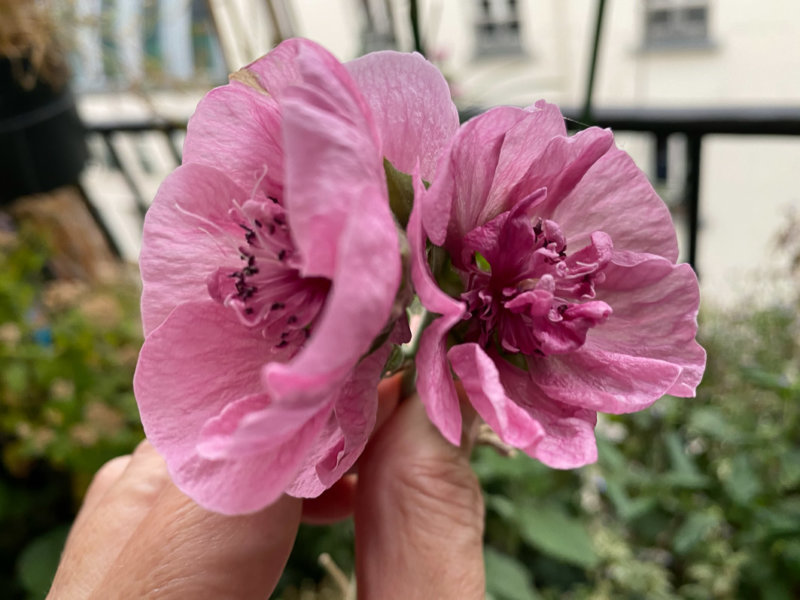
{"x": 282, "y": 255}
{"x": 277, "y": 306}
{"x": 282, "y": 344}
{"x": 292, "y": 320}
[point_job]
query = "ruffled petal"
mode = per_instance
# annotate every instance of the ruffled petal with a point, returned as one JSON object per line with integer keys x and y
{"x": 346, "y": 431}
{"x": 336, "y": 203}
{"x": 465, "y": 172}
{"x": 253, "y": 425}
{"x": 410, "y": 100}
{"x": 237, "y": 130}
{"x": 434, "y": 382}
{"x": 561, "y": 166}
{"x": 184, "y": 239}
{"x": 655, "y": 315}
{"x": 616, "y": 197}
{"x": 568, "y": 441}
{"x": 481, "y": 382}
{"x": 198, "y": 362}
{"x": 523, "y": 145}
{"x": 603, "y": 380}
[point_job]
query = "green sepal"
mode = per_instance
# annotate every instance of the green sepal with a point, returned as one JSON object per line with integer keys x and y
{"x": 401, "y": 192}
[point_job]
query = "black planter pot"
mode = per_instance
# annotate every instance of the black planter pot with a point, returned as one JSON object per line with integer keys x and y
{"x": 42, "y": 144}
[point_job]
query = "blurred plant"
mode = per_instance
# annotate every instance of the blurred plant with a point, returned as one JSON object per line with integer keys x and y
{"x": 28, "y": 39}
{"x": 66, "y": 406}
{"x": 691, "y": 499}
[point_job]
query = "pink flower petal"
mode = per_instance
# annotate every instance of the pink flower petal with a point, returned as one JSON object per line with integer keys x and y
{"x": 188, "y": 372}
{"x": 253, "y": 425}
{"x": 411, "y": 102}
{"x": 568, "y": 441}
{"x": 523, "y": 145}
{"x": 562, "y": 165}
{"x": 336, "y": 200}
{"x": 224, "y": 118}
{"x": 466, "y": 172}
{"x": 615, "y": 197}
{"x": 181, "y": 243}
{"x": 603, "y": 380}
{"x": 346, "y": 431}
{"x": 655, "y": 315}
{"x": 481, "y": 382}
{"x": 434, "y": 382}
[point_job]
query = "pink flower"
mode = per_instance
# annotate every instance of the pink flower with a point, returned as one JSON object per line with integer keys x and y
{"x": 271, "y": 263}
{"x": 566, "y": 298}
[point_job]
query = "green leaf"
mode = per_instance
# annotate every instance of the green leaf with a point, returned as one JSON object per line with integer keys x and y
{"x": 38, "y": 562}
{"x": 764, "y": 379}
{"x": 626, "y": 508}
{"x": 506, "y": 577}
{"x": 550, "y": 530}
{"x": 502, "y": 506}
{"x": 743, "y": 483}
{"x": 712, "y": 423}
{"x": 681, "y": 461}
{"x": 401, "y": 192}
{"x": 789, "y": 474}
{"x": 693, "y": 530}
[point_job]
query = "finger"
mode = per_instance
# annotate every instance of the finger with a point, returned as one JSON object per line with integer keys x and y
{"x": 419, "y": 509}
{"x": 182, "y": 551}
{"x": 111, "y": 515}
{"x": 102, "y": 481}
{"x": 390, "y": 391}
{"x": 335, "y": 504}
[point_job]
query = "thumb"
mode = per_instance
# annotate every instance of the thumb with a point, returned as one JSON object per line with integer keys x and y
{"x": 180, "y": 550}
{"x": 419, "y": 514}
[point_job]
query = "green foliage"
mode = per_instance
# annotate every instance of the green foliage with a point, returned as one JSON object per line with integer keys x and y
{"x": 67, "y": 352}
{"x": 691, "y": 499}
{"x": 694, "y": 498}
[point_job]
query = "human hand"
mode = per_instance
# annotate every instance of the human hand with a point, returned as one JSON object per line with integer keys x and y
{"x": 416, "y": 503}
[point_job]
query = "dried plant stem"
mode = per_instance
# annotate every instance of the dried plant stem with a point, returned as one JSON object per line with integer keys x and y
{"x": 487, "y": 437}
{"x": 344, "y": 583}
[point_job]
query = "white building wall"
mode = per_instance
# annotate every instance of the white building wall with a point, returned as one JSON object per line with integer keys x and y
{"x": 748, "y": 184}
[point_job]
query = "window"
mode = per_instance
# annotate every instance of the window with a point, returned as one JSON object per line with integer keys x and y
{"x": 119, "y": 44}
{"x": 676, "y": 23}
{"x": 497, "y": 27}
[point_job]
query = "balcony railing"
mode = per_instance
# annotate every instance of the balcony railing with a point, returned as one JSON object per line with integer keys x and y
{"x": 694, "y": 124}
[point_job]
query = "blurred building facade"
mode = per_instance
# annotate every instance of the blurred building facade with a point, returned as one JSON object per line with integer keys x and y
{"x": 654, "y": 53}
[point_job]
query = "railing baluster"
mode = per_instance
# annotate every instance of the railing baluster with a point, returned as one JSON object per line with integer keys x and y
{"x": 692, "y": 193}
{"x": 141, "y": 205}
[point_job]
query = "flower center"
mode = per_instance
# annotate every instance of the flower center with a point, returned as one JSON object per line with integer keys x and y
{"x": 268, "y": 290}
{"x": 526, "y": 293}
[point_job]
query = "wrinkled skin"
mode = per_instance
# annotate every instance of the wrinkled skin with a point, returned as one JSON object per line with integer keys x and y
{"x": 416, "y": 503}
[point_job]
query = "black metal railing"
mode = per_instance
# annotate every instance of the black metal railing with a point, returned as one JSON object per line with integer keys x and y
{"x": 693, "y": 123}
